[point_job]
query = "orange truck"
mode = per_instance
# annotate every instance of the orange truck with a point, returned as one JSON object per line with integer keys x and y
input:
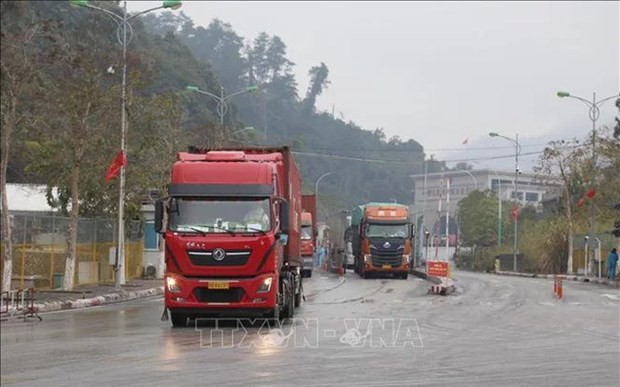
{"x": 382, "y": 236}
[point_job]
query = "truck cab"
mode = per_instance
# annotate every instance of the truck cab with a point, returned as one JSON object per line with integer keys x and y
{"x": 383, "y": 240}
{"x": 307, "y": 243}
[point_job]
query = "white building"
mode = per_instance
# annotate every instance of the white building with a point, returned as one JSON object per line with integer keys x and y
{"x": 28, "y": 198}
{"x": 427, "y": 194}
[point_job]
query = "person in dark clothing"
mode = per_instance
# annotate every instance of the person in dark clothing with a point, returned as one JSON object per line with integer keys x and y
{"x": 612, "y": 262}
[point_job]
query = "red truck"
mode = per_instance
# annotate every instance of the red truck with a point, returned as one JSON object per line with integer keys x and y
{"x": 232, "y": 234}
{"x": 309, "y": 233}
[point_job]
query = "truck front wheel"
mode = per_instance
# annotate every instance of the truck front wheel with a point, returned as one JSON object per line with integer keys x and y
{"x": 289, "y": 308}
{"x": 178, "y": 319}
{"x": 298, "y": 294}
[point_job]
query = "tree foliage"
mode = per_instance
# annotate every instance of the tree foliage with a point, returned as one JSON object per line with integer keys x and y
{"x": 318, "y": 82}
{"x": 169, "y": 52}
{"x": 477, "y": 214}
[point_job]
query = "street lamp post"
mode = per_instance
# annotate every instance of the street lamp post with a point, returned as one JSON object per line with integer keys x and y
{"x": 246, "y": 129}
{"x": 222, "y": 100}
{"x": 124, "y": 33}
{"x": 472, "y": 177}
{"x": 499, "y": 209}
{"x": 423, "y": 206}
{"x": 593, "y": 112}
{"x": 316, "y": 186}
{"x": 517, "y": 172}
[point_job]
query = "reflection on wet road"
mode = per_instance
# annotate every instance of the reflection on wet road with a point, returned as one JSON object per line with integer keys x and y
{"x": 377, "y": 332}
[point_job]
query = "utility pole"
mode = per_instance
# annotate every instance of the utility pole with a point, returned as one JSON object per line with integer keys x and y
{"x": 594, "y": 113}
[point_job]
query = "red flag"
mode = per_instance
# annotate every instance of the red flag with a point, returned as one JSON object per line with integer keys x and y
{"x": 591, "y": 192}
{"x": 466, "y": 141}
{"x": 119, "y": 161}
{"x": 581, "y": 201}
{"x": 515, "y": 212}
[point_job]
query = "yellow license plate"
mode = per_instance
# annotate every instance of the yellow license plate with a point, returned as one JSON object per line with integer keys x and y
{"x": 218, "y": 285}
{"x": 387, "y": 266}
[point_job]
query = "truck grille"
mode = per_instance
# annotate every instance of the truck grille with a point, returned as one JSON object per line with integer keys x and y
{"x": 232, "y": 258}
{"x": 386, "y": 257}
{"x": 223, "y": 295}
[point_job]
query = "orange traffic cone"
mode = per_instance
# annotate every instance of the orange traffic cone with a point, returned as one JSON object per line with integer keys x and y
{"x": 558, "y": 290}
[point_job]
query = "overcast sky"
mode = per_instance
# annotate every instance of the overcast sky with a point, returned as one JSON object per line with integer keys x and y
{"x": 441, "y": 72}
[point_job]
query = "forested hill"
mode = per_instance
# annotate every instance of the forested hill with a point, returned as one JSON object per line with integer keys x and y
{"x": 168, "y": 52}
{"x": 283, "y": 114}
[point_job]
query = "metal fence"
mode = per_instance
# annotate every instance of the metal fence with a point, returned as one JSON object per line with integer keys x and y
{"x": 608, "y": 242}
{"x": 40, "y": 250}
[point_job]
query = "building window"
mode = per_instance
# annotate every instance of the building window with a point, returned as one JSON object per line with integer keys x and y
{"x": 151, "y": 238}
{"x": 531, "y": 196}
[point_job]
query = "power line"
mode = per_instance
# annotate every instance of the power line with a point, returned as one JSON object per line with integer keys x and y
{"x": 409, "y": 162}
{"x": 462, "y": 149}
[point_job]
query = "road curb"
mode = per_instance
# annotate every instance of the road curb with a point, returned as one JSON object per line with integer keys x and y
{"x": 105, "y": 299}
{"x": 565, "y": 277}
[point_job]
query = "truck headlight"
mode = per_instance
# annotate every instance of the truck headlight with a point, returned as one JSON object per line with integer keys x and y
{"x": 265, "y": 286}
{"x": 366, "y": 258}
{"x": 173, "y": 286}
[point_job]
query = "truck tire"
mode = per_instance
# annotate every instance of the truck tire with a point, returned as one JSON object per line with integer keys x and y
{"x": 178, "y": 319}
{"x": 273, "y": 316}
{"x": 289, "y": 309}
{"x": 298, "y": 294}
{"x": 404, "y": 276}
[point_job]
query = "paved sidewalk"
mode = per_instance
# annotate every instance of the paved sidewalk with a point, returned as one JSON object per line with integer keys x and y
{"x": 566, "y": 277}
{"x": 95, "y": 295}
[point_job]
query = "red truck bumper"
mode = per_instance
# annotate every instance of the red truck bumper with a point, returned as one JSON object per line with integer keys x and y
{"x": 221, "y": 296}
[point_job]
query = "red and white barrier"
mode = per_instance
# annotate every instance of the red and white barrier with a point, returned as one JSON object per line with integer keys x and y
{"x": 438, "y": 272}
{"x": 18, "y": 302}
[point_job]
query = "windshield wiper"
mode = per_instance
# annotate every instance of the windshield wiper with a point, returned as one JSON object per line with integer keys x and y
{"x": 191, "y": 228}
{"x": 254, "y": 229}
{"x": 217, "y": 227}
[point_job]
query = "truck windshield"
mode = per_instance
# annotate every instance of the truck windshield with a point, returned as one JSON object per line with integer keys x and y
{"x": 387, "y": 230}
{"x": 217, "y": 215}
{"x": 306, "y": 233}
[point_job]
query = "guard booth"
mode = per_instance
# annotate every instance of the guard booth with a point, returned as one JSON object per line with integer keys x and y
{"x": 336, "y": 259}
{"x": 506, "y": 262}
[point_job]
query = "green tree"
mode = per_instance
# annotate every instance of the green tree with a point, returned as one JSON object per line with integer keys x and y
{"x": 617, "y": 127}
{"x": 477, "y": 214}
{"x": 23, "y": 63}
{"x": 318, "y": 82}
{"x": 564, "y": 161}
{"x": 81, "y": 102}
{"x": 462, "y": 166}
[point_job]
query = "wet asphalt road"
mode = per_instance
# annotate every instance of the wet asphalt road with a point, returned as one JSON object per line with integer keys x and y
{"x": 381, "y": 332}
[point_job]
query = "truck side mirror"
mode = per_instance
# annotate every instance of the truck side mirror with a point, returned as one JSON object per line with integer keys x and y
{"x": 159, "y": 216}
{"x": 412, "y": 230}
{"x": 284, "y": 217}
{"x": 284, "y": 239}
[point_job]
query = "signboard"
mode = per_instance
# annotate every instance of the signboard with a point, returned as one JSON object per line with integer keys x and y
{"x": 438, "y": 268}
